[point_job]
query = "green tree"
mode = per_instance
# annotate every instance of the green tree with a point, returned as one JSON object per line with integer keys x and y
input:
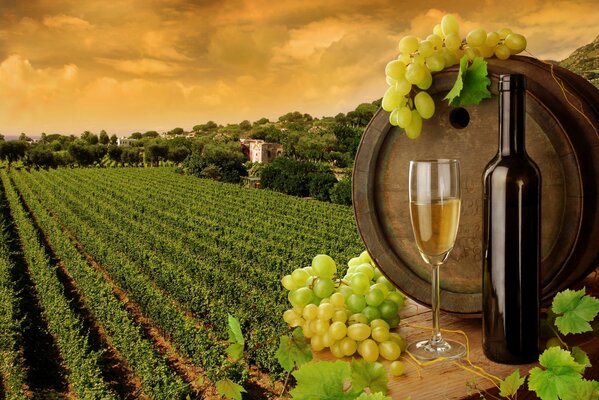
{"x": 24, "y": 138}
{"x": 130, "y": 156}
{"x": 13, "y": 150}
{"x": 135, "y": 135}
{"x": 115, "y": 153}
{"x": 341, "y": 193}
{"x": 362, "y": 115}
{"x": 178, "y": 154}
{"x": 156, "y": 152}
{"x": 150, "y": 134}
{"x": 245, "y": 125}
{"x": 41, "y": 156}
{"x": 104, "y": 139}
{"x": 1, "y": 137}
{"x": 114, "y": 140}
{"x": 82, "y": 153}
{"x": 176, "y": 132}
{"x": 227, "y": 157}
{"x": 43, "y": 138}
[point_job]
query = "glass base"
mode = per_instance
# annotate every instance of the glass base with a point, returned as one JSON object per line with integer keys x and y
{"x": 425, "y": 350}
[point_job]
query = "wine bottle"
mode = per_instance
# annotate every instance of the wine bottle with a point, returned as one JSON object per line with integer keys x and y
{"x": 511, "y": 237}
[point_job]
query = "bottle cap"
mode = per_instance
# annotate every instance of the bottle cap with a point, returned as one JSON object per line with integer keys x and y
{"x": 512, "y": 82}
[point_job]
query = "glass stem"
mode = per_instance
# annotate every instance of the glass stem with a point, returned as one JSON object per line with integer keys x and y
{"x": 436, "y": 339}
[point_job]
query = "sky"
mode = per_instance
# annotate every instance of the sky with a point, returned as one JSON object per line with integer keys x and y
{"x": 67, "y": 66}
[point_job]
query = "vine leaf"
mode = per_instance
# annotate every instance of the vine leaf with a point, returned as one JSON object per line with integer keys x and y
{"x": 580, "y": 356}
{"x": 373, "y": 396}
{"x": 562, "y": 373}
{"x": 471, "y": 85}
{"x": 368, "y": 375}
{"x": 510, "y": 385}
{"x": 229, "y": 389}
{"x": 323, "y": 380}
{"x": 293, "y": 351}
{"x": 235, "y": 351}
{"x": 586, "y": 390}
{"x": 234, "y": 329}
{"x": 576, "y": 310}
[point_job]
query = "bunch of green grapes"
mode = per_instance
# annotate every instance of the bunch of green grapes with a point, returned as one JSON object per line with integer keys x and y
{"x": 411, "y": 74}
{"x": 348, "y": 315}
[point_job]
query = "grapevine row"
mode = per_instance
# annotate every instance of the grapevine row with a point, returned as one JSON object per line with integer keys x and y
{"x": 193, "y": 342}
{"x": 128, "y": 339}
{"x": 83, "y": 363}
{"x": 11, "y": 359}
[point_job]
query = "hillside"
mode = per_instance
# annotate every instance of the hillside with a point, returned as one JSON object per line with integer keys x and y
{"x": 585, "y": 61}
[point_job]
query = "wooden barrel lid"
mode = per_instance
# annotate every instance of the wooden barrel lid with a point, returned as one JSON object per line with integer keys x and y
{"x": 562, "y": 136}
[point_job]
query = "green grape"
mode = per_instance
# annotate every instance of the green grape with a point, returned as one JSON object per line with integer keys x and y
{"x": 377, "y": 274}
{"x": 418, "y": 59}
{"x": 428, "y": 80}
{"x": 400, "y": 340}
{"x": 485, "y": 51}
{"x": 309, "y": 270}
{"x": 515, "y": 42}
{"x": 374, "y": 297}
{"x": 471, "y": 53}
{"x": 397, "y": 297}
{"x": 395, "y": 69}
{"x": 398, "y": 368}
{"x": 348, "y": 346}
{"x": 403, "y": 87}
{"x": 389, "y": 350}
{"x": 307, "y": 329}
{"x": 320, "y": 326}
{"x": 415, "y": 73}
{"x": 386, "y": 282}
{"x": 357, "y": 318}
{"x": 390, "y": 81}
{"x": 366, "y": 269}
{"x": 380, "y": 333}
{"x": 340, "y": 315}
{"x": 377, "y": 323}
{"x": 413, "y": 130}
{"x": 360, "y": 283}
{"x": 382, "y": 287}
{"x": 323, "y": 287}
{"x": 502, "y": 52}
{"x": 358, "y": 332}
{"x": 355, "y": 261}
{"x": 337, "y": 350}
{"x": 300, "y": 276}
{"x": 338, "y": 299}
{"x": 424, "y": 104}
{"x": 426, "y": 48}
{"x": 492, "y": 39}
{"x": 476, "y": 37}
{"x": 388, "y": 309}
{"x": 392, "y": 99}
{"x": 326, "y": 311}
{"x": 355, "y": 303}
{"x": 289, "y": 316}
{"x": 371, "y": 313}
{"x": 316, "y": 343}
{"x": 438, "y": 31}
{"x": 369, "y": 350}
{"x": 452, "y": 41}
{"x": 327, "y": 340}
{"x": 405, "y": 58}
{"x": 436, "y": 40}
{"x": 300, "y": 297}
{"x": 393, "y": 321}
{"x": 408, "y": 44}
{"x": 345, "y": 290}
{"x": 449, "y": 57}
{"x": 324, "y": 266}
{"x": 310, "y": 312}
{"x": 435, "y": 62}
{"x": 288, "y": 282}
{"x": 401, "y": 117}
{"x": 503, "y": 32}
{"x": 338, "y": 330}
{"x": 450, "y": 25}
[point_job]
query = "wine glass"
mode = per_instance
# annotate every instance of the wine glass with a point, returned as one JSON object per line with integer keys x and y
{"x": 435, "y": 213}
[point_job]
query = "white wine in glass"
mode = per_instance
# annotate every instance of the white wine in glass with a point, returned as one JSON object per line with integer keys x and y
{"x": 434, "y": 191}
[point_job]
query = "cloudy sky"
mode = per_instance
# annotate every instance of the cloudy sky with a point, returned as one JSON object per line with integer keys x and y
{"x": 134, "y": 65}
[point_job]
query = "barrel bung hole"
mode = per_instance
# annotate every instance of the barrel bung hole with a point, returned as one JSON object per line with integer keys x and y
{"x": 459, "y": 118}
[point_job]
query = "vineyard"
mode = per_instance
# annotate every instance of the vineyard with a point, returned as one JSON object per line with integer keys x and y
{"x": 118, "y": 283}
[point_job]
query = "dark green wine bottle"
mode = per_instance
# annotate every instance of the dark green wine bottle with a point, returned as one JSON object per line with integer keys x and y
{"x": 511, "y": 237}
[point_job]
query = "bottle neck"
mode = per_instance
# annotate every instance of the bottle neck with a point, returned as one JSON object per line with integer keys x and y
{"x": 512, "y": 108}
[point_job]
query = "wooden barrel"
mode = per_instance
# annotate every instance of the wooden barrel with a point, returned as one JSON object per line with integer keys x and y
{"x": 562, "y": 136}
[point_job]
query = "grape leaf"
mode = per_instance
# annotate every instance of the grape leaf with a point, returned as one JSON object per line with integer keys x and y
{"x": 293, "y": 350}
{"x": 368, "y": 375}
{"x": 510, "y": 385}
{"x": 234, "y": 330}
{"x": 373, "y": 396}
{"x": 229, "y": 389}
{"x": 560, "y": 375}
{"x": 235, "y": 351}
{"x": 580, "y": 356}
{"x": 576, "y": 309}
{"x": 322, "y": 380}
{"x": 471, "y": 85}
{"x": 585, "y": 390}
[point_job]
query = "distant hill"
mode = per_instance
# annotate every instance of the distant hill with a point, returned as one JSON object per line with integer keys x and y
{"x": 585, "y": 61}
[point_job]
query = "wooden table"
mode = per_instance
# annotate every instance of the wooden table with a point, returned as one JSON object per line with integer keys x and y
{"x": 447, "y": 381}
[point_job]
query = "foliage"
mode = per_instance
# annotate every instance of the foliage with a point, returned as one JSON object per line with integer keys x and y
{"x": 293, "y": 350}
{"x": 218, "y": 161}
{"x": 574, "y": 311}
{"x": 471, "y": 85}
{"x": 341, "y": 192}
{"x": 298, "y": 178}
{"x": 510, "y": 385}
{"x": 13, "y": 150}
